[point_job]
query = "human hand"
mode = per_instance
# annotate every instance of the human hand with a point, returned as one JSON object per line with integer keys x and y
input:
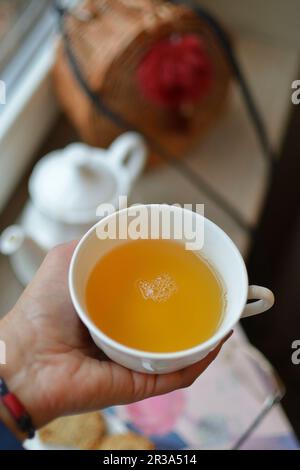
{"x": 54, "y": 367}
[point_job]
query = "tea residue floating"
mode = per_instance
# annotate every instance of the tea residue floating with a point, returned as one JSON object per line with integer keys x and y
{"x": 159, "y": 289}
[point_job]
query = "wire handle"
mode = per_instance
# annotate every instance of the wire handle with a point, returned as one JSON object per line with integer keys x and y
{"x": 165, "y": 156}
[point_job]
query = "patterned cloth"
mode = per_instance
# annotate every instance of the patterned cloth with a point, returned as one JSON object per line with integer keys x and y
{"x": 217, "y": 409}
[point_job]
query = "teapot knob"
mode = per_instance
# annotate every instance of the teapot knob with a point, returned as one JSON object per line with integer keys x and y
{"x": 82, "y": 167}
{"x": 80, "y": 160}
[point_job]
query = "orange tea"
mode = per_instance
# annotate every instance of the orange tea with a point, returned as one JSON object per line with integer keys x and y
{"x": 156, "y": 296}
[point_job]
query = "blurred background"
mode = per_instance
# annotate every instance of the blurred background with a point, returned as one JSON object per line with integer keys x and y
{"x": 119, "y": 47}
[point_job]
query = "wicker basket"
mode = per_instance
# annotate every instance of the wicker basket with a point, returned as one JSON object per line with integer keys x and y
{"x": 109, "y": 47}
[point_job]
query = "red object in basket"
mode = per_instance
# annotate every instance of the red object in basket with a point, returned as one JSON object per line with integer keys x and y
{"x": 175, "y": 71}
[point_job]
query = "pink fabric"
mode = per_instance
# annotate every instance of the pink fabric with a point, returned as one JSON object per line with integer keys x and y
{"x": 157, "y": 415}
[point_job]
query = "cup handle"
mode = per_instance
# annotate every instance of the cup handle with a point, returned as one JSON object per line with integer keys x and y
{"x": 266, "y": 301}
{"x": 129, "y": 152}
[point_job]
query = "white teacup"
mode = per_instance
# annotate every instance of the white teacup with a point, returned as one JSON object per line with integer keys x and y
{"x": 222, "y": 255}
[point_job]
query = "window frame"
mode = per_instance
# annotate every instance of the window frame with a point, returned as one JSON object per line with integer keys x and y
{"x": 29, "y": 92}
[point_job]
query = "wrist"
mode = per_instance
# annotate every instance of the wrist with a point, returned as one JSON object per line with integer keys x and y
{"x": 7, "y": 419}
{"x": 18, "y": 374}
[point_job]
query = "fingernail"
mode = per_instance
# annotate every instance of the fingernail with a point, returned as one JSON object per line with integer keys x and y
{"x": 228, "y": 336}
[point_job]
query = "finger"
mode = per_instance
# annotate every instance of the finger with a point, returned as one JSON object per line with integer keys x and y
{"x": 185, "y": 377}
{"x": 120, "y": 385}
{"x": 56, "y": 264}
{"x": 63, "y": 251}
{"x": 191, "y": 373}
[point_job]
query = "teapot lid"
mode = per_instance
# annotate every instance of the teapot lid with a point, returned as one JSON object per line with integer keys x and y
{"x": 68, "y": 185}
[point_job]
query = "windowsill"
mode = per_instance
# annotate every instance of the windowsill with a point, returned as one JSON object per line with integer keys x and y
{"x": 25, "y": 120}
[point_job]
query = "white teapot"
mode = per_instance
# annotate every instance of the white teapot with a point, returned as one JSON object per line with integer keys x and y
{"x": 65, "y": 188}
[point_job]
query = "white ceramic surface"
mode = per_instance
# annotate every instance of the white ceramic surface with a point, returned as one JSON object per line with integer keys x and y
{"x": 66, "y": 187}
{"x": 221, "y": 253}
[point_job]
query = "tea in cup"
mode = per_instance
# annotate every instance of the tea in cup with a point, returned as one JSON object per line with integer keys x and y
{"x": 155, "y": 306}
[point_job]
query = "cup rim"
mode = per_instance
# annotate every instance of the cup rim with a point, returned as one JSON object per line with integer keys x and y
{"x": 206, "y": 345}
